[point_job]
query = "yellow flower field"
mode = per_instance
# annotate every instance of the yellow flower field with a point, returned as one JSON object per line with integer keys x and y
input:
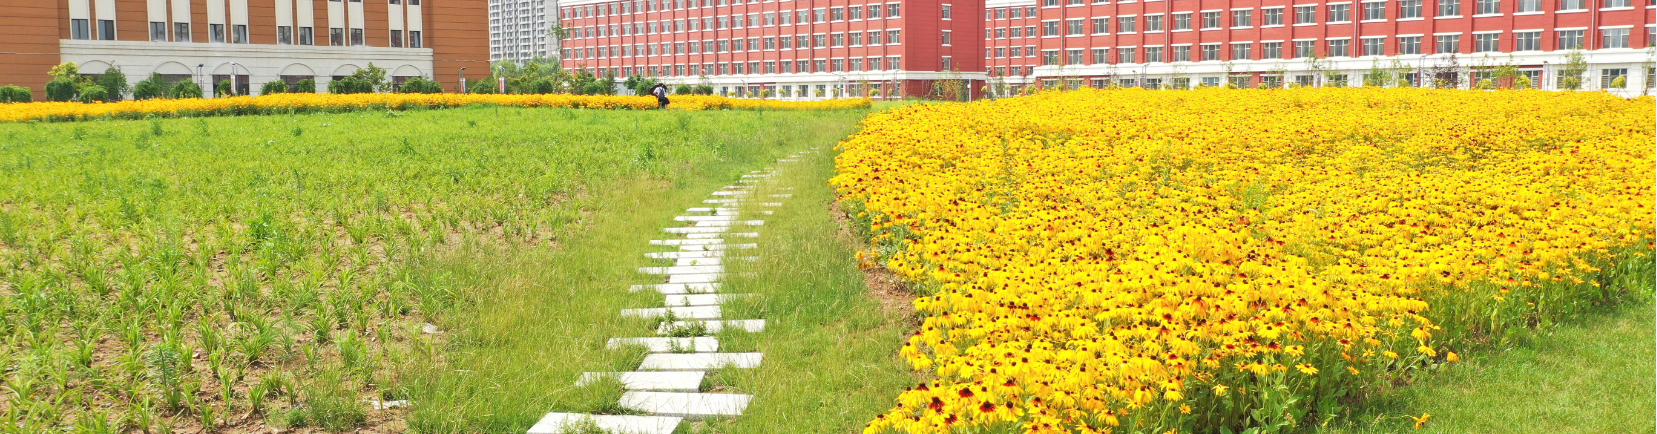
{"x": 283, "y": 103}
{"x": 1154, "y": 261}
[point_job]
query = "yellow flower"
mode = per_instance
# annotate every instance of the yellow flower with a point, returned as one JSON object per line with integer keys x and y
{"x": 1451, "y": 356}
{"x": 1307, "y": 369}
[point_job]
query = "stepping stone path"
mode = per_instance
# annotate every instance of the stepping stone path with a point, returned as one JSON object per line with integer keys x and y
{"x": 667, "y": 385}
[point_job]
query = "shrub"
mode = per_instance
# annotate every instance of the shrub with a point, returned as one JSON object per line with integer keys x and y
{"x": 115, "y": 82}
{"x": 542, "y": 87}
{"x": 1619, "y": 82}
{"x": 274, "y": 87}
{"x": 223, "y": 89}
{"x": 150, "y": 88}
{"x": 304, "y": 86}
{"x": 185, "y": 89}
{"x": 94, "y": 93}
{"x": 421, "y": 85}
{"x": 683, "y": 89}
{"x": 10, "y": 94}
{"x": 485, "y": 86}
{"x": 704, "y": 90}
{"x": 350, "y": 85}
{"x": 62, "y": 89}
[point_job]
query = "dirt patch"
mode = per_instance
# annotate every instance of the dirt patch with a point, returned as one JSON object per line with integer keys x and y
{"x": 886, "y": 287}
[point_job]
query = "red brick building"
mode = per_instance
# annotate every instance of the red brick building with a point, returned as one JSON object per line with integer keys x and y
{"x": 1005, "y": 45}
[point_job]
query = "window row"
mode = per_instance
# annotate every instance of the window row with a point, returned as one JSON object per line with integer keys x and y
{"x": 818, "y": 15}
{"x": 1375, "y": 9}
{"x": 285, "y": 35}
{"x": 852, "y": 39}
{"x": 1301, "y": 49}
{"x": 855, "y": 64}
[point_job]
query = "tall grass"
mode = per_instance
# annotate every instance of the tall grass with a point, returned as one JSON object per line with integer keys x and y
{"x": 237, "y": 273}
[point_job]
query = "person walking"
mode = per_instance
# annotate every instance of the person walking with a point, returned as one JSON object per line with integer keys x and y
{"x": 660, "y": 91}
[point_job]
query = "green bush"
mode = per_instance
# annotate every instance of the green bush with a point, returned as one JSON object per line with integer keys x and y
{"x": 305, "y": 86}
{"x": 10, "y": 94}
{"x": 115, "y": 83}
{"x": 94, "y": 93}
{"x": 704, "y": 90}
{"x": 274, "y": 87}
{"x": 683, "y": 89}
{"x": 350, "y": 85}
{"x": 62, "y": 90}
{"x": 223, "y": 89}
{"x": 542, "y": 87}
{"x": 421, "y": 85}
{"x": 485, "y": 86}
{"x": 185, "y": 89}
{"x": 150, "y": 88}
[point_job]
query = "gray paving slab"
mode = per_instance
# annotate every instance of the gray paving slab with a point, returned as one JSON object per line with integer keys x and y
{"x": 686, "y": 262}
{"x": 665, "y": 381}
{"x": 688, "y": 241}
{"x": 704, "y": 247}
{"x": 704, "y": 218}
{"x": 700, "y": 361}
{"x": 688, "y": 405}
{"x": 700, "y": 299}
{"x": 678, "y": 288}
{"x": 693, "y": 269}
{"x": 693, "y": 312}
{"x": 694, "y": 278}
{"x": 715, "y": 326}
{"x": 557, "y": 423}
{"x": 686, "y": 254}
{"x": 694, "y": 230}
{"x": 700, "y": 344}
{"x": 722, "y": 201}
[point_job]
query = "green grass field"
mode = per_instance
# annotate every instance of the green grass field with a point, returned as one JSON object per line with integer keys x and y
{"x": 278, "y": 270}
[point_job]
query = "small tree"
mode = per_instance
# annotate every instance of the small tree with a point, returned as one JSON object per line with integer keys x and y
{"x": 1570, "y": 78}
{"x": 274, "y": 87}
{"x": 305, "y": 86}
{"x": 1620, "y": 82}
{"x": 62, "y": 90}
{"x": 704, "y": 90}
{"x": 115, "y": 82}
{"x": 11, "y": 94}
{"x": 150, "y": 88}
{"x": 65, "y": 71}
{"x": 93, "y": 94}
{"x": 185, "y": 89}
{"x": 683, "y": 89}
{"x": 486, "y": 86}
{"x": 421, "y": 85}
{"x": 223, "y": 89}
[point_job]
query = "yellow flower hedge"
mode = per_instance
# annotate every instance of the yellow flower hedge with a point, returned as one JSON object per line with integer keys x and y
{"x": 286, "y": 103}
{"x": 1154, "y": 261}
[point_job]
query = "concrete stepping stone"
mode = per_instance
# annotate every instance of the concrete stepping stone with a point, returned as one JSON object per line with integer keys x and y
{"x": 722, "y": 235}
{"x": 555, "y": 423}
{"x": 770, "y": 203}
{"x": 722, "y": 201}
{"x": 688, "y": 241}
{"x": 700, "y": 361}
{"x": 688, "y": 262}
{"x": 692, "y": 312}
{"x": 689, "y": 405}
{"x": 705, "y": 218}
{"x": 783, "y": 195}
{"x": 666, "y": 381}
{"x": 700, "y": 299}
{"x": 694, "y": 269}
{"x": 719, "y": 210}
{"x": 730, "y": 193}
{"x": 719, "y": 223}
{"x": 686, "y": 254}
{"x": 695, "y": 230}
{"x": 715, "y": 326}
{"x": 694, "y": 278}
{"x": 678, "y": 288}
{"x": 704, "y": 247}
{"x": 702, "y": 344}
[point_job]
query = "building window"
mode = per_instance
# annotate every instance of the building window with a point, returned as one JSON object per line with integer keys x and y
{"x": 284, "y": 34}
{"x": 1050, "y": 28}
{"x": 1306, "y": 14}
{"x": 336, "y": 36}
{"x": 1608, "y": 77}
{"x": 1451, "y": 8}
{"x": 1075, "y": 27}
{"x": 1271, "y": 17}
{"x": 1074, "y": 57}
{"x": 1486, "y": 42}
{"x": 1570, "y": 39}
{"x": 1375, "y": 46}
{"x": 1409, "y": 45}
{"x": 1271, "y": 50}
{"x": 1614, "y": 38}
{"x": 1101, "y": 25}
{"x": 1411, "y": 9}
{"x": 1489, "y": 7}
{"x": 1375, "y": 11}
{"x": 307, "y": 36}
{"x": 1050, "y": 57}
{"x": 1210, "y": 51}
{"x": 1618, "y": 3}
{"x": 1572, "y": 5}
{"x": 892, "y": 38}
{"x": 106, "y": 30}
{"x": 1210, "y": 20}
{"x": 1305, "y": 48}
{"x": 1153, "y": 54}
{"x": 80, "y": 29}
{"x": 397, "y": 38}
{"x": 1530, "y": 6}
{"x": 158, "y": 31}
{"x": 1182, "y": 21}
{"x": 892, "y": 12}
{"x": 215, "y": 33}
{"x": 1241, "y": 51}
{"x": 181, "y": 32}
{"x": 945, "y": 37}
{"x": 1242, "y": 18}
{"x": 1527, "y": 41}
{"x": 946, "y": 12}
{"x": 1125, "y": 55}
{"x": 1126, "y": 24}
{"x": 1340, "y": 13}
{"x": 1182, "y": 53}
{"x": 357, "y": 37}
{"x": 1101, "y": 56}
{"x": 1449, "y": 43}
{"x": 1153, "y": 23}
